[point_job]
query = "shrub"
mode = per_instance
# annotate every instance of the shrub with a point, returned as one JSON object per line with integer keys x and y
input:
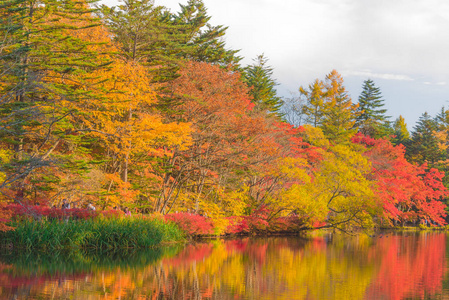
{"x": 258, "y": 223}
{"x": 286, "y": 224}
{"x": 255, "y": 223}
{"x": 192, "y": 224}
{"x": 18, "y": 211}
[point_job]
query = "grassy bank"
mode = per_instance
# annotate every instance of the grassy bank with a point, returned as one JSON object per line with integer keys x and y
{"x": 98, "y": 233}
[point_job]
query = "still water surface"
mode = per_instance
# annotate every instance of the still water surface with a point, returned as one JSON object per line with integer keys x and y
{"x": 388, "y": 266}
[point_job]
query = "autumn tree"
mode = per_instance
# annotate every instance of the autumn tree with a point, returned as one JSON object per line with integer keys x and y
{"x": 40, "y": 55}
{"x": 400, "y": 131}
{"x": 371, "y": 119}
{"x": 407, "y": 192}
{"x": 281, "y": 164}
{"x": 341, "y": 112}
{"x": 123, "y": 130}
{"x": 339, "y": 192}
{"x": 218, "y": 105}
{"x": 128, "y": 130}
{"x": 329, "y": 107}
{"x": 314, "y": 107}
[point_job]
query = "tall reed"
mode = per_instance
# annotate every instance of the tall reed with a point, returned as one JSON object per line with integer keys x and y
{"x": 99, "y": 233}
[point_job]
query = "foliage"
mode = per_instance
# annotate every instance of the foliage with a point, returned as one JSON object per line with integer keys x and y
{"x": 407, "y": 192}
{"x": 335, "y": 189}
{"x": 205, "y": 42}
{"x": 191, "y": 224}
{"x": 36, "y": 211}
{"x": 259, "y": 223}
{"x": 45, "y": 63}
{"x": 18, "y": 211}
{"x": 161, "y": 40}
{"x": 5, "y": 215}
{"x": 225, "y": 134}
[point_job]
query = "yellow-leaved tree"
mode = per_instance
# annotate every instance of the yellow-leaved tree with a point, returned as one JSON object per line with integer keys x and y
{"x": 339, "y": 194}
{"x": 128, "y": 128}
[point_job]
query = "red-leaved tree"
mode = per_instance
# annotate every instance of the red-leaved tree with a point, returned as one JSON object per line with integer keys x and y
{"x": 408, "y": 192}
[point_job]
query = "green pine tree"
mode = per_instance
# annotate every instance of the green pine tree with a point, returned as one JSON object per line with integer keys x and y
{"x": 258, "y": 77}
{"x": 423, "y": 146}
{"x": 41, "y": 55}
{"x": 205, "y": 42}
{"x": 372, "y": 120}
{"x": 143, "y": 33}
{"x": 442, "y": 119}
{"x": 161, "y": 40}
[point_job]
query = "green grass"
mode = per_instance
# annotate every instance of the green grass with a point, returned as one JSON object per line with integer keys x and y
{"x": 115, "y": 233}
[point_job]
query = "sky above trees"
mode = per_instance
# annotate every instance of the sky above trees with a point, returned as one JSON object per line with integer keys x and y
{"x": 401, "y": 45}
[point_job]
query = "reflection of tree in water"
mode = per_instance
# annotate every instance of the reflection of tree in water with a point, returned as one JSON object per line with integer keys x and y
{"x": 269, "y": 268}
{"x": 410, "y": 267}
{"x": 23, "y": 274}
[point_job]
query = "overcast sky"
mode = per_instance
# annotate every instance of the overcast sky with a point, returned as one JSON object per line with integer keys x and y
{"x": 403, "y": 45}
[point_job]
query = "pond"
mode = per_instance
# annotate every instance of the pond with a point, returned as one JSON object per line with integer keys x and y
{"x": 387, "y": 266}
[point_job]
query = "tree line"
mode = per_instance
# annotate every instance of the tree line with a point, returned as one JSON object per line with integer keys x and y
{"x": 137, "y": 106}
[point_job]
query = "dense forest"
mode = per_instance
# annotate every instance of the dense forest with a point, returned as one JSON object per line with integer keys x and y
{"x": 138, "y": 106}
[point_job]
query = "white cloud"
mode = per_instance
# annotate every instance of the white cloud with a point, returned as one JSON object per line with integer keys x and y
{"x": 386, "y": 76}
{"x": 440, "y": 83}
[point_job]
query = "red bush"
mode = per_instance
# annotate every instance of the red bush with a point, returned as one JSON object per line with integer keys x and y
{"x": 255, "y": 223}
{"x": 192, "y": 224}
{"x": 237, "y": 225}
{"x": 18, "y": 210}
{"x": 286, "y": 224}
{"x": 259, "y": 222}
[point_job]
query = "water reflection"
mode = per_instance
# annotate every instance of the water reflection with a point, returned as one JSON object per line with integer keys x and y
{"x": 411, "y": 266}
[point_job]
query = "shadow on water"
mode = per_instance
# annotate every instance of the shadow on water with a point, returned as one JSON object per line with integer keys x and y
{"x": 81, "y": 262}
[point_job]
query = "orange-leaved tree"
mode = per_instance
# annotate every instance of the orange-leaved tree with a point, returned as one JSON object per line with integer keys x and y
{"x": 224, "y": 135}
